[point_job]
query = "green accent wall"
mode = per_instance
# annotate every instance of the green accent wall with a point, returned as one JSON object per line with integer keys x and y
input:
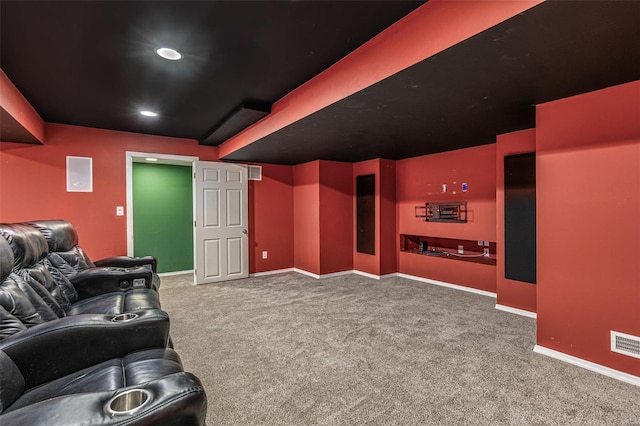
{"x": 163, "y": 215}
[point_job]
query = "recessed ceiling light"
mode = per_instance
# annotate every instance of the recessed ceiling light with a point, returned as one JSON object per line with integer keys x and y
{"x": 148, "y": 113}
{"x": 151, "y": 159}
{"x": 168, "y": 53}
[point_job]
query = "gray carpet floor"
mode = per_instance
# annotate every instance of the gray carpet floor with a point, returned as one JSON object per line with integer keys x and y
{"x": 292, "y": 350}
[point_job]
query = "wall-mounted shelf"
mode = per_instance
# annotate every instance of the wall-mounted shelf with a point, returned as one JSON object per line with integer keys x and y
{"x": 447, "y": 248}
{"x": 453, "y": 212}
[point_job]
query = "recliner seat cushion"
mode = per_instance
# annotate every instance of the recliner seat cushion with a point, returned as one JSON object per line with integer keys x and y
{"x": 134, "y": 369}
{"x": 11, "y": 382}
{"x": 117, "y": 303}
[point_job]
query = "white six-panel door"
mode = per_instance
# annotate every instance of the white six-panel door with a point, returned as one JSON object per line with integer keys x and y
{"x": 221, "y": 228}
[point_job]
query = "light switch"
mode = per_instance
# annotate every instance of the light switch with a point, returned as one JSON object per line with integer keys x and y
{"x": 119, "y": 211}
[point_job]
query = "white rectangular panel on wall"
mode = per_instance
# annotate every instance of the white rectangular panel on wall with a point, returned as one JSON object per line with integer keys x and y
{"x": 79, "y": 174}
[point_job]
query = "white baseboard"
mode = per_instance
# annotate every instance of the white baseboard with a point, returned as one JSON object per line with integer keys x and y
{"x": 588, "y": 365}
{"x": 384, "y": 277}
{"x": 366, "y": 274}
{"x": 323, "y": 276}
{"x": 168, "y": 274}
{"x": 516, "y": 311}
{"x": 307, "y": 273}
{"x": 446, "y": 284}
{"x": 272, "y": 272}
{"x": 374, "y": 276}
{"x": 336, "y": 274}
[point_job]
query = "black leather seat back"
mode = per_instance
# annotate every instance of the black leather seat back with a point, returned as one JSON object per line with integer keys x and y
{"x": 29, "y": 251}
{"x": 9, "y": 324}
{"x": 6, "y": 259}
{"x": 62, "y": 239}
{"x": 16, "y": 311}
{"x": 59, "y": 234}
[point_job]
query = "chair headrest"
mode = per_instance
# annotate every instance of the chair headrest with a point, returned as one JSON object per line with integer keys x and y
{"x": 60, "y": 234}
{"x": 26, "y": 243}
{"x": 6, "y": 259}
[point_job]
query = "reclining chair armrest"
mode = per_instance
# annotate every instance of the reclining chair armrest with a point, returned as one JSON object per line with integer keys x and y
{"x": 177, "y": 399}
{"x": 96, "y": 281}
{"x": 129, "y": 262}
{"x": 56, "y": 348}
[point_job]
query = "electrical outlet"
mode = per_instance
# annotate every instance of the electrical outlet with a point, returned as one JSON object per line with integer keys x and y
{"x": 486, "y": 252}
{"x": 119, "y": 211}
{"x": 480, "y": 243}
{"x": 460, "y": 249}
{"x": 486, "y": 243}
{"x": 264, "y": 254}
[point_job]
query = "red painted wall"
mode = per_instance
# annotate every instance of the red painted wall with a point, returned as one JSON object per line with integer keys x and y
{"x": 12, "y": 101}
{"x": 33, "y": 180}
{"x": 403, "y": 44}
{"x": 306, "y": 217}
{"x": 336, "y": 217}
{"x": 384, "y": 260}
{"x": 588, "y": 205}
{"x": 322, "y": 217}
{"x": 419, "y": 180}
{"x": 271, "y": 219}
{"x": 516, "y": 294}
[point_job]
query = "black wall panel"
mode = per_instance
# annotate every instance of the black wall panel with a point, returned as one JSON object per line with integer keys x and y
{"x": 366, "y": 214}
{"x": 520, "y": 217}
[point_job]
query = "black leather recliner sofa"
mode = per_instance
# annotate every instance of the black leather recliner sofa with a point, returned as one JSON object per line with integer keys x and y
{"x": 95, "y": 290}
{"x": 22, "y": 308}
{"x": 72, "y": 374}
{"x": 66, "y": 255}
{"x": 85, "y": 369}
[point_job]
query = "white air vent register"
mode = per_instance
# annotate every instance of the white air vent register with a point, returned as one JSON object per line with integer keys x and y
{"x": 625, "y": 344}
{"x": 255, "y": 172}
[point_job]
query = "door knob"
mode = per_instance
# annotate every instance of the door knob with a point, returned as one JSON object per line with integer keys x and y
{"x": 244, "y": 231}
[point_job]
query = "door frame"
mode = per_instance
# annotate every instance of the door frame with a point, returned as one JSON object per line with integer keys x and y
{"x": 181, "y": 160}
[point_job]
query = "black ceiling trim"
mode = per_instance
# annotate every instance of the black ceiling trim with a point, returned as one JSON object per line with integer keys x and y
{"x": 242, "y": 117}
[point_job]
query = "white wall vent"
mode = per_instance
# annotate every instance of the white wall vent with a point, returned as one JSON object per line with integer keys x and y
{"x": 625, "y": 344}
{"x": 255, "y": 173}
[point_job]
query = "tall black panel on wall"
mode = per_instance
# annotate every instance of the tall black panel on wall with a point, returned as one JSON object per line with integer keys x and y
{"x": 520, "y": 217}
{"x": 366, "y": 213}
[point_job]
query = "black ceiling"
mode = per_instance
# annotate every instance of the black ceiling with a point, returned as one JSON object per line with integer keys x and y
{"x": 92, "y": 64}
{"x": 468, "y": 94}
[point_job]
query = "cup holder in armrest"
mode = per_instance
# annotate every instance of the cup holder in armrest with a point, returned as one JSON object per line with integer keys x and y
{"x": 128, "y": 402}
{"x": 124, "y": 317}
